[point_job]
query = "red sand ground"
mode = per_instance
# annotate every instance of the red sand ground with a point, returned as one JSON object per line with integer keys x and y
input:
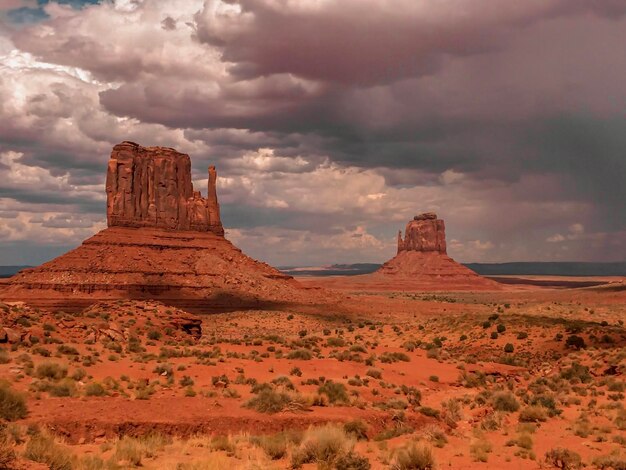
{"x": 446, "y": 337}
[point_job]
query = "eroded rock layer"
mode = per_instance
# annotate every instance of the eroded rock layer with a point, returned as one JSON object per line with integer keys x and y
{"x": 151, "y": 187}
{"x": 198, "y": 271}
{"x": 414, "y": 270}
{"x": 425, "y": 233}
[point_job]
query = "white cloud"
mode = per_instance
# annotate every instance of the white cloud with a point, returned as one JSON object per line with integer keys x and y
{"x": 556, "y": 238}
{"x": 451, "y": 176}
{"x": 283, "y": 246}
{"x": 49, "y": 227}
{"x": 16, "y": 175}
{"x": 576, "y": 232}
{"x": 577, "y": 229}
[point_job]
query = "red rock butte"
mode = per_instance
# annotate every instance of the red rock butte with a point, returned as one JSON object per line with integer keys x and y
{"x": 421, "y": 264}
{"x": 151, "y": 187}
{"x": 422, "y": 261}
{"x": 164, "y": 242}
{"x": 425, "y": 233}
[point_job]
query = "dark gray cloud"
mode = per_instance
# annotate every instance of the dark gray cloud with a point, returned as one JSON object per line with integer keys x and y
{"x": 330, "y": 127}
{"x": 356, "y": 44}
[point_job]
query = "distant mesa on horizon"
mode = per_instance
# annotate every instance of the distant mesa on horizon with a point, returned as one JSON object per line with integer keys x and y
{"x": 421, "y": 264}
{"x": 519, "y": 268}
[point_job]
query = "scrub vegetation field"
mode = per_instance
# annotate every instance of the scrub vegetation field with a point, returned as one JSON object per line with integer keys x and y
{"x": 522, "y": 379}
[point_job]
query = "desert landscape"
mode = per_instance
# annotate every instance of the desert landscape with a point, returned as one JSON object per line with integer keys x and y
{"x": 158, "y": 344}
{"x": 312, "y": 235}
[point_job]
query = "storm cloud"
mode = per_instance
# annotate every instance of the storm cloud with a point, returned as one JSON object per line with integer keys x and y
{"x": 331, "y": 123}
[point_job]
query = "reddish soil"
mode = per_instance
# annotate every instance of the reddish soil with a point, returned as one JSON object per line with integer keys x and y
{"x": 160, "y": 374}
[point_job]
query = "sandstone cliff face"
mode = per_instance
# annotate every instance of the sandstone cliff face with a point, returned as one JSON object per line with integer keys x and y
{"x": 425, "y": 233}
{"x": 151, "y": 187}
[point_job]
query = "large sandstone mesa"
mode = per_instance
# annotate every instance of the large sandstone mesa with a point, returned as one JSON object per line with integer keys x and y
{"x": 164, "y": 242}
{"x": 424, "y": 233}
{"x": 151, "y": 187}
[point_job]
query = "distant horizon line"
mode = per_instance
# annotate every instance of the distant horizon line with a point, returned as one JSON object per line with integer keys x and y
{"x": 293, "y": 266}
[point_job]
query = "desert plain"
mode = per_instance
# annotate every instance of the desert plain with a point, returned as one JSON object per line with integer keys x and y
{"x": 513, "y": 378}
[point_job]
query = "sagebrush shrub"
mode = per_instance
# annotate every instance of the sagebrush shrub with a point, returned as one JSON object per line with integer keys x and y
{"x": 504, "y": 401}
{"x": 414, "y": 457}
{"x": 12, "y": 404}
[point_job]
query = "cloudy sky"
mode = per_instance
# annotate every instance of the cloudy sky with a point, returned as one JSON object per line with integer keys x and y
{"x": 331, "y": 122}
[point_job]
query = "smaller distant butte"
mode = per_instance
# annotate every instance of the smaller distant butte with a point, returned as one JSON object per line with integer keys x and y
{"x": 421, "y": 264}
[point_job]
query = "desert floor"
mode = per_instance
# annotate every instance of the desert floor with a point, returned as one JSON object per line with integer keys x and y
{"x": 527, "y": 377}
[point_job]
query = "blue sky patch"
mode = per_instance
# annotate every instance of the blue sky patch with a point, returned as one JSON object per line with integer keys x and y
{"x": 26, "y": 15}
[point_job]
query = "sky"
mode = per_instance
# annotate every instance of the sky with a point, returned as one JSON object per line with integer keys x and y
{"x": 330, "y": 123}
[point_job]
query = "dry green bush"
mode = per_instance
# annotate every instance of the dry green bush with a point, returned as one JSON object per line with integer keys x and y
{"x": 435, "y": 434}
{"x": 414, "y": 457}
{"x": 452, "y": 411}
{"x": 42, "y": 448}
{"x": 224, "y": 444}
{"x": 480, "y": 448}
{"x": 300, "y": 354}
{"x": 271, "y": 401}
{"x": 613, "y": 461}
{"x": 132, "y": 450}
{"x": 93, "y": 462}
{"x": 564, "y": 459}
{"x": 7, "y": 453}
{"x": 321, "y": 445}
{"x": 533, "y": 414}
{"x": 504, "y": 401}
{"x": 335, "y": 391}
{"x": 352, "y": 461}
{"x": 5, "y": 358}
{"x": 356, "y": 429}
{"x": 12, "y": 403}
{"x": 276, "y": 445}
{"x": 50, "y": 370}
